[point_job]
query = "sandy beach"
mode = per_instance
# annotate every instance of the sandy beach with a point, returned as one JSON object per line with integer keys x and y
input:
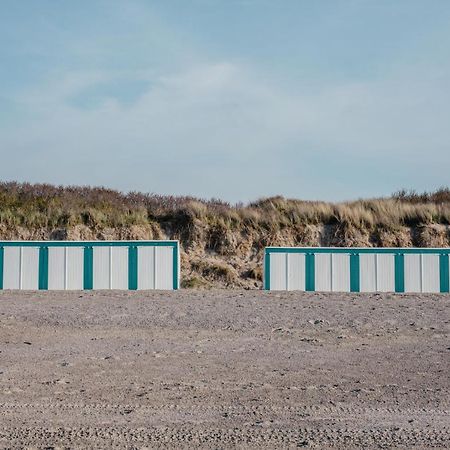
{"x": 221, "y": 369}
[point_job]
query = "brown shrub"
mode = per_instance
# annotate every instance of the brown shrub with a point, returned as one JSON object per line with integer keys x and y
{"x": 43, "y": 206}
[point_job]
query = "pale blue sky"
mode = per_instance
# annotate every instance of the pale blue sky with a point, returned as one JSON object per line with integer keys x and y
{"x": 236, "y": 99}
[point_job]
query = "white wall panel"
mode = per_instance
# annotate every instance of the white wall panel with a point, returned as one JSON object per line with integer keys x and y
{"x": 119, "y": 267}
{"x": 340, "y": 272}
{"x": 413, "y": 273}
{"x": 75, "y": 268}
{"x": 30, "y": 268}
{"x": 164, "y": 267}
{"x": 385, "y": 272}
{"x": 377, "y": 272}
{"x": 21, "y": 268}
{"x": 323, "y": 272}
{"x": 12, "y": 261}
{"x": 56, "y": 268}
{"x": 296, "y": 271}
{"x": 65, "y": 268}
{"x": 430, "y": 273}
{"x": 102, "y": 268}
{"x": 367, "y": 272}
{"x": 146, "y": 267}
{"x": 278, "y": 271}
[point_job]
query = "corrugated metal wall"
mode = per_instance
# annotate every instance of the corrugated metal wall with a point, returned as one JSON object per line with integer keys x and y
{"x": 357, "y": 269}
{"x": 288, "y": 271}
{"x": 377, "y": 272}
{"x": 65, "y": 268}
{"x": 20, "y": 268}
{"x": 57, "y": 265}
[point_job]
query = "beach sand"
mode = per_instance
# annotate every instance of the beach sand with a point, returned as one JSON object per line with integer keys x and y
{"x": 221, "y": 369}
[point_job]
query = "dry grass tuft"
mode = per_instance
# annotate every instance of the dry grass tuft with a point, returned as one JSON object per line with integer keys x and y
{"x": 43, "y": 205}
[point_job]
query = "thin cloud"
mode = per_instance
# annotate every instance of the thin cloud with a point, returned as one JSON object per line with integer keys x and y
{"x": 195, "y": 131}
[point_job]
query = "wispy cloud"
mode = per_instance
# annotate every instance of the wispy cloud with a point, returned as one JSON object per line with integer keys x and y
{"x": 169, "y": 118}
{"x": 196, "y": 131}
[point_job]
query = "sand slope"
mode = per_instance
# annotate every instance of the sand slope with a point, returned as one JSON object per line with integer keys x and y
{"x": 224, "y": 368}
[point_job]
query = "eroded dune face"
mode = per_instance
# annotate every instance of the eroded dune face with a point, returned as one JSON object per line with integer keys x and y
{"x": 223, "y": 369}
{"x": 222, "y": 245}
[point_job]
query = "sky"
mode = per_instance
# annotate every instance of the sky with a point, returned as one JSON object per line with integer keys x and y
{"x": 231, "y": 99}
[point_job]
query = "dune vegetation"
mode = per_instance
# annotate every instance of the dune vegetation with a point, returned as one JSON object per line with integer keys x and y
{"x": 222, "y": 244}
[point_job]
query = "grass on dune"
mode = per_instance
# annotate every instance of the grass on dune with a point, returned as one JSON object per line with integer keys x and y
{"x": 47, "y": 206}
